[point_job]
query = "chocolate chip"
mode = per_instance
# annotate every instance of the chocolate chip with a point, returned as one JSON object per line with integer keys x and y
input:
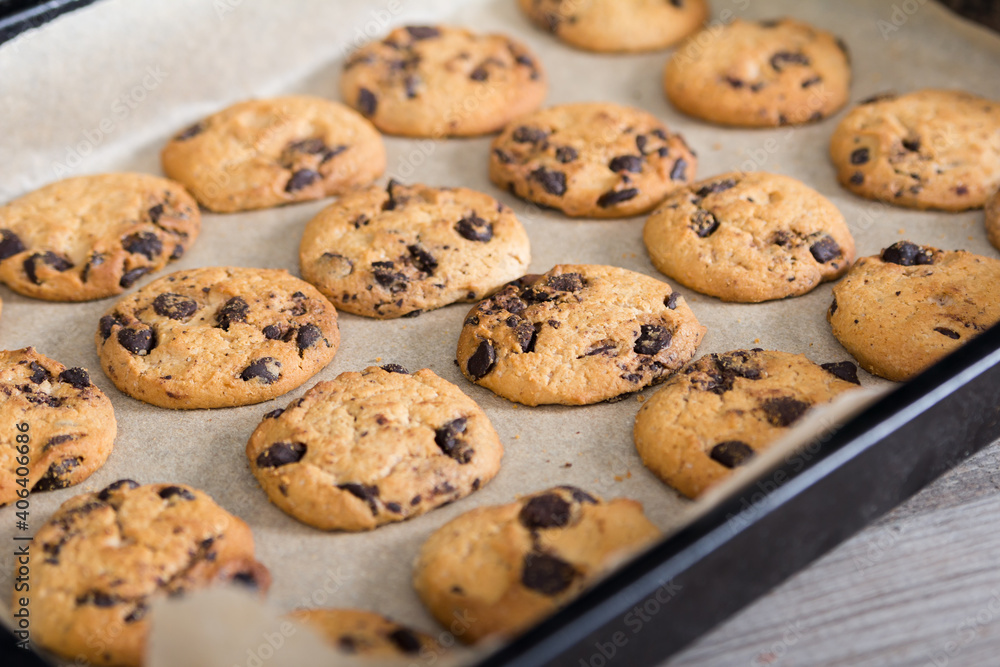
{"x": 418, "y": 32}
{"x": 812, "y": 81}
{"x": 857, "y": 178}
{"x": 704, "y": 223}
{"x": 912, "y": 144}
{"x": 480, "y": 73}
{"x": 310, "y": 146}
{"x": 652, "y": 339}
{"x": 170, "y": 491}
{"x": 106, "y": 324}
{"x": 367, "y": 102}
{"x": 833, "y": 306}
{"x": 395, "y": 368}
{"x": 365, "y": 492}
{"x": 406, "y": 641}
{"x": 613, "y": 197}
{"x": 782, "y": 58}
{"x": 307, "y": 336}
{"x": 234, "y": 310}
{"x": 10, "y": 244}
{"x": 421, "y": 259}
{"x": 962, "y": 190}
{"x": 579, "y": 495}
{"x": 881, "y": 97}
{"x": 447, "y": 439}
{"x": 601, "y": 347}
{"x": 844, "y": 370}
{"x": 566, "y": 154}
{"x": 731, "y": 453}
{"x": 671, "y": 301}
{"x": 136, "y": 614}
{"x": 529, "y": 135}
{"x": 139, "y": 342}
{"x": 301, "y": 179}
{"x": 391, "y": 280}
{"x": 825, "y": 250}
{"x": 192, "y": 131}
{"x": 718, "y": 186}
{"x": 679, "y": 171}
{"x": 784, "y": 410}
{"x": 859, "y": 156}
{"x": 482, "y": 361}
{"x": 174, "y": 306}
{"x": 281, "y": 454}
{"x": 554, "y": 182}
{"x": 57, "y": 262}
{"x": 566, "y": 282}
{"x": 259, "y": 368}
{"x": 545, "y": 511}
{"x": 905, "y": 253}
{"x": 55, "y": 477}
{"x": 98, "y": 599}
{"x": 546, "y": 574}
{"x": 274, "y": 414}
{"x": 273, "y": 331}
{"x": 146, "y": 244}
{"x": 39, "y": 373}
{"x": 106, "y": 492}
{"x": 130, "y": 277}
{"x": 630, "y": 163}
{"x": 947, "y": 332}
{"x": 503, "y": 155}
{"x": 57, "y": 440}
{"x": 78, "y": 378}
{"x": 474, "y": 228}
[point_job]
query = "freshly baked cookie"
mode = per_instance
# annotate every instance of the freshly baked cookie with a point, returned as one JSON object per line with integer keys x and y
{"x": 264, "y": 153}
{"x": 597, "y": 160}
{"x": 505, "y": 567}
{"x": 372, "y": 448}
{"x": 935, "y": 149}
{"x": 389, "y": 252}
{"x": 899, "y": 312}
{"x": 69, "y": 424}
{"x": 364, "y": 633}
{"x": 759, "y": 74}
{"x": 217, "y": 337}
{"x": 749, "y": 237}
{"x": 104, "y": 557}
{"x": 578, "y": 334}
{"x": 438, "y": 81}
{"x": 993, "y": 219}
{"x": 722, "y": 409}
{"x": 618, "y": 25}
{"x": 92, "y": 237}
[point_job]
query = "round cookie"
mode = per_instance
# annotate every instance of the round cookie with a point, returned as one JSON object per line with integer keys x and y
{"x": 749, "y": 237}
{"x": 576, "y": 335}
{"x": 364, "y": 633}
{"x": 759, "y": 74}
{"x": 993, "y": 219}
{"x": 439, "y": 81}
{"x": 899, "y": 312}
{"x": 264, "y": 153}
{"x": 503, "y": 568}
{"x": 372, "y": 448}
{"x": 395, "y": 251}
{"x": 92, "y": 237}
{"x": 68, "y": 424}
{"x": 217, "y": 337}
{"x": 104, "y": 557}
{"x": 597, "y": 160}
{"x": 618, "y": 26}
{"x": 930, "y": 149}
{"x": 722, "y": 409}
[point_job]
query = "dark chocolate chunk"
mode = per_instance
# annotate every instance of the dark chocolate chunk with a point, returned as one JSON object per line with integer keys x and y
{"x": 480, "y": 73}
{"x": 652, "y": 339}
{"x": 545, "y": 511}
{"x": 905, "y": 253}
{"x": 391, "y": 280}
{"x": 192, "y": 131}
{"x": 812, "y": 81}
{"x": 57, "y": 440}
{"x": 10, "y": 244}
{"x": 234, "y": 310}
{"x": 281, "y": 454}
{"x": 259, "y": 369}
{"x": 418, "y": 32}
{"x": 169, "y": 492}
{"x": 139, "y": 342}
{"x": 833, "y": 306}
{"x": 301, "y": 179}
{"x": 307, "y": 336}
{"x": 704, "y": 223}
{"x": 39, "y": 373}
{"x": 630, "y": 163}
{"x": 731, "y": 453}
{"x": 395, "y": 368}
{"x": 529, "y": 135}
{"x": 274, "y": 414}
{"x": 546, "y": 574}
{"x": 671, "y": 301}
{"x": 482, "y": 361}
{"x": 679, "y": 171}
{"x": 311, "y": 146}
{"x": 130, "y": 277}
{"x": 860, "y": 156}
{"x": 55, "y": 477}
{"x": 78, "y": 378}
{"x": 174, "y": 306}
{"x": 503, "y": 155}
{"x": 367, "y": 102}
{"x": 579, "y": 495}
{"x": 421, "y": 259}
{"x": 554, "y": 182}
{"x": 782, "y": 58}
{"x": 146, "y": 244}
{"x": 273, "y": 331}
{"x": 566, "y": 154}
{"x": 406, "y": 641}
{"x": 947, "y": 332}
{"x": 106, "y": 492}
{"x": 784, "y": 410}
{"x": 825, "y": 250}
{"x": 365, "y": 492}
{"x": 857, "y": 178}
{"x": 447, "y": 439}
{"x": 474, "y": 228}
{"x": 98, "y": 599}
{"x": 613, "y": 197}
{"x": 718, "y": 186}
{"x": 912, "y": 144}
{"x": 566, "y": 282}
{"x": 57, "y": 262}
{"x": 844, "y": 370}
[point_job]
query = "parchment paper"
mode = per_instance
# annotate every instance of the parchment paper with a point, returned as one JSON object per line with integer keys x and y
{"x": 104, "y": 87}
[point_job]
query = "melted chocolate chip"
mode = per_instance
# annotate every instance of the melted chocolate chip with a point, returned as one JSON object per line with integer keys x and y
{"x": 55, "y": 477}
{"x": 130, "y": 277}
{"x": 704, "y": 223}
{"x": 307, "y": 336}
{"x": 480, "y": 73}
{"x": 905, "y": 253}
{"x": 367, "y": 102}
{"x": 192, "y": 131}
{"x": 57, "y": 262}
{"x": 475, "y": 228}
{"x": 652, "y": 339}
{"x": 273, "y": 331}
{"x": 629, "y": 163}
{"x": 825, "y": 250}
{"x": 170, "y": 491}
{"x": 281, "y": 454}
{"x": 395, "y": 368}
{"x": 857, "y": 178}
{"x": 614, "y": 197}
{"x": 447, "y": 439}
{"x": 139, "y": 342}
{"x": 274, "y": 414}
{"x": 679, "y": 171}
{"x": 860, "y": 156}
{"x": 146, "y": 244}
{"x": 39, "y": 373}
{"x": 98, "y": 599}
{"x": 174, "y": 306}
{"x": 10, "y": 244}
{"x": 106, "y": 324}
{"x": 784, "y": 410}
{"x": 579, "y": 495}
{"x": 503, "y": 155}
{"x": 234, "y": 310}
{"x": 782, "y": 58}
{"x": 948, "y": 332}
{"x": 78, "y": 378}
{"x": 391, "y": 280}
{"x": 421, "y": 259}
{"x": 545, "y": 511}
{"x": 365, "y": 492}
{"x": 406, "y": 641}
{"x": 567, "y": 154}
{"x": 529, "y": 135}
{"x": 566, "y": 282}
{"x": 482, "y": 361}
{"x": 554, "y": 182}
{"x": 671, "y": 301}
{"x": 114, "y": 486}
{"x": 546, "y": 574}
{"x": 302, "y": 178}
{"x": 731, "y": 453}
{"x": 259, "y": 369}
{"x": 912, "y": 145}
{"x": 418, "y": 32}
{"x": 718, "y": 186}
{"x": 844, "y": 370}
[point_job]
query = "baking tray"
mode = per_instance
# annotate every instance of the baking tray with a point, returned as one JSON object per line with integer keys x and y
{"x": 710, "y": 568}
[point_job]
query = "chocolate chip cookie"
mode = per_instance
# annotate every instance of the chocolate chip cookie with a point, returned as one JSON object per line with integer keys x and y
{"x": 264, "y": 153}
{"x": 364, "y": 633}
{"x": 58, "y": 425}
{"x": 92, "y": 237}
{"x": 721, "y": 410}
{"x": 217, "y": 337}
{"x": 759, "y": 74}
{"x": 372, "y": 448}
{"x": 401, "y": 250}
{"x": 578, "y": 334}
{"x": 899, "y": 312}
{"x": 618, "y": 25}
{"x": 993, "y": 219}
{"x": 503, "y": 568}
{"x": 597, "y": 160}
{"x": 749, "y": 237}
{"x": 439, "y": 81}
{"x": 929, "y": 149}
{"x": 104, "y": 557}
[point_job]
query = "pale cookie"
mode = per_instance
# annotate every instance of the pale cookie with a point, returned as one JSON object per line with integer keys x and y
{"x": 899, "y": 312}
{"x": 438, "y": 81}
{"x": 618, "y": 25}
{"x": 366, "y": 634}
{"x": 759, "y": 74}
{"x": 58, "y": 426}
{"x": 102, "y": 558}
{"x": 372, "y": 448}
{"x": 937, "y": 149}
{"x": 217, "y": 337}
{"x": 724, "y": 408}
{"x": 749, "y": 237}
{"x": 993, "y": 219}
{"x": 503, "y": 568}
{"x": 597, "y": 160}
{"x": 264, "y": 153}
{"x": 395, "y": 251}
{"x": 92, "y": 237}
{"x": 578, "y": 334}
